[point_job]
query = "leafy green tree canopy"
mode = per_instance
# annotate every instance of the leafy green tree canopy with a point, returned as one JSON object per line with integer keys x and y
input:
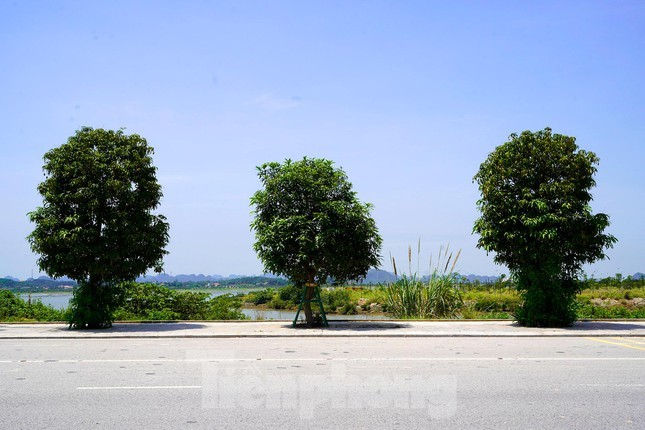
{"x": 310, "y": 226}
{"x": 96, "y": 224}
{"x": 536, "y": 218}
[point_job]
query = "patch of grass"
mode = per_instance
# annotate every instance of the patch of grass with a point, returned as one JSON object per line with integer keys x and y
{"x": 494, "y": 301}
{"x": 470, "y": 312}
{"x": 615, "y": 293}
{"x": 611, "y": 312}
{"x": 406, "y": 299}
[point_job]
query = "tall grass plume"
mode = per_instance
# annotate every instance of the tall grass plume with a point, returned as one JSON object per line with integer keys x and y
{"x": 437, "y": 296}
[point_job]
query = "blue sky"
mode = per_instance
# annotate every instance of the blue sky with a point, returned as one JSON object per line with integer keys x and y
{"x": 408, "y": 97}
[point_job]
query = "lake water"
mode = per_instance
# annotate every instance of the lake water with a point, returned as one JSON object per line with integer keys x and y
{"x": 61, "y": 300}
{"x": 55, "y": 300}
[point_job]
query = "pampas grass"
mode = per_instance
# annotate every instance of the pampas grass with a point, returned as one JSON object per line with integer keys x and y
{"x": 438, "y": 297}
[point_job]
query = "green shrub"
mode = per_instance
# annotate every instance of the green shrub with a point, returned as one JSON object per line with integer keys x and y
{"x": 278, "y": 303}
{"x": 162, "y": 315}
{"x": 37, "y": 311}
{"x": 336, "y": 298}
{"x": 592, "y": 312}
{"x": 497, "y": 302}
{"x": 13, "y": 308}
{"x": 189, "y": 305}
{"x": 263, "y": 296}
{"x": 290, "y": 294}
{"x": 226, "y": 307}
{"x": 155, "y": 302}
{"x": 140, "y": 300}
{"x": 348, "y": 309}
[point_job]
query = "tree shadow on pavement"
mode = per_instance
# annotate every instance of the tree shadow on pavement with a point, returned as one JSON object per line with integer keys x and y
{"x": 606, "y": 325}
{"x": 142, "y": 327}
{"x": 353, "y": 326}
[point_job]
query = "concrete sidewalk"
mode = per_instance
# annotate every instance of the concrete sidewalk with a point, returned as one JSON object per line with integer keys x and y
{"x": 233, "y": 329}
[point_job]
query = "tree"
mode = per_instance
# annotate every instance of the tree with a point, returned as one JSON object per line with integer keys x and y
{"x": 535, "y": 216}
{"x": 310, "y": 226}
{"x": 96, "y": 224}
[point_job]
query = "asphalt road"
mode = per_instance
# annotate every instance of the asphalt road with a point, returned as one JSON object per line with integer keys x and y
{"x": 330, "y": 383}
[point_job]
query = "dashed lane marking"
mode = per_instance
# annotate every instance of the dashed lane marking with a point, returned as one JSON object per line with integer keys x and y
{"x": 341, "y": 359}
{"x": 153, "y": 387}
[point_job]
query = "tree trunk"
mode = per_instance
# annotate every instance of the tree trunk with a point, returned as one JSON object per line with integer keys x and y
{"x": 92, "y": 305}
{"x": 309, "y": 316}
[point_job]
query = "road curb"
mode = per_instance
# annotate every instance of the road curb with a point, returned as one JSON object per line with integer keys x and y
{"x": 311, "y": 336}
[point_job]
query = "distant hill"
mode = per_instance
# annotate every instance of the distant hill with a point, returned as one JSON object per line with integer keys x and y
{"x": 374, "y": 276}
{"x": 378, "y": 276}
{"x": 166, "y": 278}
{"x": 233, "y": 279}
{"x": 7, "y": 282}
{"x": 481, "y": 279}
{"x": 42, "y": 283}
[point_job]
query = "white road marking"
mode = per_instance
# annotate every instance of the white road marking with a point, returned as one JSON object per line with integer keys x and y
{"x": 613, "y": 385}
{"x": 322, "y": 360}
{"x": 155, "y": 387}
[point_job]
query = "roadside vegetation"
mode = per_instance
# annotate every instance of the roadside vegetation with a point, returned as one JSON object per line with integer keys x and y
{"x": 155, "y": 302}
{"x": 614, "y": 297}
{"x": 13, "y": 308}
{"x": 97, "y": 224}
{"x": 311, "y": 228}
{"x": 611, "y": 297}
{"x": 437, "y": 297}
{"x": 536, "y": 218}
{"x": 137, "y": 302}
